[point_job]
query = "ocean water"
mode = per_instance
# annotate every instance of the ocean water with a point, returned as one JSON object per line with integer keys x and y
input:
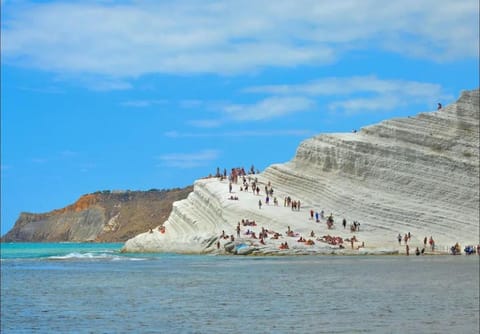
{"x": 92, "y": 288}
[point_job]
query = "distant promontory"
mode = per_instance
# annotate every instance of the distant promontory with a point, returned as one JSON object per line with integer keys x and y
{"x": 103, "y": 216}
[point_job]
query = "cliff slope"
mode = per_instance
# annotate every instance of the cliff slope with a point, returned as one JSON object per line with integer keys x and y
{"x": 417, "y": 174}
{"x": 101, "y": 217}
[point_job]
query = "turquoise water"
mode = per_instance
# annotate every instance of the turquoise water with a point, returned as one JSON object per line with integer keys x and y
{"x": 93, "y": 288}
{"x": 46, "y": 250}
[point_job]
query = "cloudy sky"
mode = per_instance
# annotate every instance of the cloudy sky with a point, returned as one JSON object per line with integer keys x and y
{"x": 136, "y": 95}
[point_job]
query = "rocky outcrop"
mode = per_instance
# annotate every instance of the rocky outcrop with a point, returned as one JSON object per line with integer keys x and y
{"x": 101, "y": 217}
{"x": 417, "y": 174}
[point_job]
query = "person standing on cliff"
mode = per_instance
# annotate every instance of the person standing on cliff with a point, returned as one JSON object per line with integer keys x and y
{"x": 439, "y": 106}
{"x": 432, "y": 243}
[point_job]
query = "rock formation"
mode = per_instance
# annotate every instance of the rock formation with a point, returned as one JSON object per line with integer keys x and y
{"x": 101, "y": 217}
{"x": 417, "y": 174}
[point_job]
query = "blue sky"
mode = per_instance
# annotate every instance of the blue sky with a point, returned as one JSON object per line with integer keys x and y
{"x": 136, "y": 95}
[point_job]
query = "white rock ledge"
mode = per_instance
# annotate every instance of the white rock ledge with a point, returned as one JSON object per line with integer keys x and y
{"x": 417, "y": 174}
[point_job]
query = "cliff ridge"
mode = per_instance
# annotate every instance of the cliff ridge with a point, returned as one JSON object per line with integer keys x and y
{"x": 104, "y": 216}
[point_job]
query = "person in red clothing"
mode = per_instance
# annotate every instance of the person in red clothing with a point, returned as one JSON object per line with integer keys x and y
{"x": 432, "y": 243}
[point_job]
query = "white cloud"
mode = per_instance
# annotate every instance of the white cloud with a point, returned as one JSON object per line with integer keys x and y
{"x": 189, "y": 160}
{"x": 265, "y": 109}
{"x": 135, "y": 38}
{"x": 349, "y": 85}
{"x": 352, "y": 106}
{"x": 206, "y": 123}
{"x": 362, "y": 93}
{"x": 268, "y": 108}
{"x": 350, "y": 95}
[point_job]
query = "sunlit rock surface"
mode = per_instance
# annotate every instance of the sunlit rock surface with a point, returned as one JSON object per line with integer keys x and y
{"x": 418, "y": 174}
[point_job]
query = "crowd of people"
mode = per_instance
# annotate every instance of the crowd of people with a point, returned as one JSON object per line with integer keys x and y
{"x": 406, "y": 240}
{"x": 250, "y": 183}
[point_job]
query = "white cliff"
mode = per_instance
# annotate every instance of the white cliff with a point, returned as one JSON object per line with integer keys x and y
{"x": 417, "y": 174}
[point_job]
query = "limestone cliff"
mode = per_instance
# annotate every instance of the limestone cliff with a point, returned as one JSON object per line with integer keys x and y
{"x": 102, "y": 217}
{"x": 416, "y": 174}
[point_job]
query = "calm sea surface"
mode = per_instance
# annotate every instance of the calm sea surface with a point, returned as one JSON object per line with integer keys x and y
{"x": 92, "y": 288}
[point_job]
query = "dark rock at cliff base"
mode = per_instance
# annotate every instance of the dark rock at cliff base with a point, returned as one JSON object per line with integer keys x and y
{"x": 106, "y": 216}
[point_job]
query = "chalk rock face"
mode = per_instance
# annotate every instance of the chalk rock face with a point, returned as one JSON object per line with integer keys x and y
{"x": 102, "y": 217}
{"x": 418, "y": 174}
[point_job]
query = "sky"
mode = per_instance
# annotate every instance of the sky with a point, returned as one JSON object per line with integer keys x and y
{"x": 136, "y": 95}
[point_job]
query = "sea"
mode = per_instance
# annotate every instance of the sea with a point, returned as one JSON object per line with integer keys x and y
{"x": 94, "y": 288}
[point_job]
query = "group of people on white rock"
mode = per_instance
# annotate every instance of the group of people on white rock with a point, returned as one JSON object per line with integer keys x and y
{"x": 295, "y": 205}
{"x": 406, "y": 239}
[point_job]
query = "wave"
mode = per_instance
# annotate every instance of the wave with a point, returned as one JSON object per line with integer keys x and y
{"x": 108, "y": 255}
